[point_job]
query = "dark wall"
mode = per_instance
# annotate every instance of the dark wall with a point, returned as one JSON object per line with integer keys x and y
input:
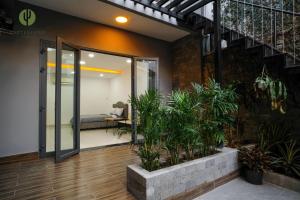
{"x": 19, "y": 68}
{"x": 186, "y": 61}
{"x": 240, "y": 67}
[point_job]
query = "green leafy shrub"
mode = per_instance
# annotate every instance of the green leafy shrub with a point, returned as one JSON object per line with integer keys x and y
{"x": 148, "y": 107}
{"x": 180, "y": 126}
{"x": 271, "y": 134}
{"x": 288, "y": 159}
{"x": 215, "y": 109}
{"x": 190, "y": 125}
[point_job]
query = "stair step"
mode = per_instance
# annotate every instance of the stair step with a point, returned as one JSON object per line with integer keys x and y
{"x": 255, "y": 47}
{"x": 293, "y": 69}
{"x": 275, "y": 56}
{"x": 238, "y": 42}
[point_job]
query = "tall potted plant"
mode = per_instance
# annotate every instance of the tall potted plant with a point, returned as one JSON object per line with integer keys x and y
{"x": 180, "y": 126}
{"x": 215, "y": 110}
{"x": 148, "y": 107}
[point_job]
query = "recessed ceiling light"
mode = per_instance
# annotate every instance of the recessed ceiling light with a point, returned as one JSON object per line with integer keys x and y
{"x": 101, "y": 75}
{"x": 91, "y": 55}
{"x": 121, "y": 19}
{"x": 128, "y": 60}
{"x": 82, "y": 62}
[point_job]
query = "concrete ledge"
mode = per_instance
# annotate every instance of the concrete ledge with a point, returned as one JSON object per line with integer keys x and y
{"x": 282, "y": 180}
{"x": 196, "y": 176}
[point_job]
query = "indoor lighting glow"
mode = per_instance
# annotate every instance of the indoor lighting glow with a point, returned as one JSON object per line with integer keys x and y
{"x": 121, "y": 19}
{"x": 91, "y": 55}
{"x": 82, "y": 62}
{"x": 72, "y": 72}
{"x": 87, "y": 68}
{"x": 101, "y": 75}
{"x": 128, "y": 60}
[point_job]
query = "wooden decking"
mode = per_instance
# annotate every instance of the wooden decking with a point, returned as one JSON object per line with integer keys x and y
{"x": 95, "y": 174}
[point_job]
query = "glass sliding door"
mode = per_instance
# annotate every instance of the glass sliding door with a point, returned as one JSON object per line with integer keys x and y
{"x": 145, "y": 78}
{"x": 146, "y": 74}
{"x": 66, "y": 100}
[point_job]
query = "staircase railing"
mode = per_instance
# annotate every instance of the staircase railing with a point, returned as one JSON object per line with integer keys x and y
{"x": 272, "y": 22}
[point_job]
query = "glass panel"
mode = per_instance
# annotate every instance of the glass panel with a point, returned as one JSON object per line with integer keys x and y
{"x": 67, "y": 100}
{"x": 50, "y": 107}
{"x": 146, "y": 75}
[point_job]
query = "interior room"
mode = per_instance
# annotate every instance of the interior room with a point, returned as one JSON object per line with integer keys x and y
{"x": 105, "y": 90}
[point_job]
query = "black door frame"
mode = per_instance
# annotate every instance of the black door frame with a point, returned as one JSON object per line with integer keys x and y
{"x": 60, "y": 154}
{"x": 44, "y": 44}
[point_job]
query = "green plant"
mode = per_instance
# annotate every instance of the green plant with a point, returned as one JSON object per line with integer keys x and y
{"x": 288, "y": 158}
{"x": 270, "y": 134}
{"x": 254, "y": 159}
{"x": 215, "y": 109}
{"x": 149, "y": 111}
{"x": 274, "y": 89}
{"x": 180, "y": 126}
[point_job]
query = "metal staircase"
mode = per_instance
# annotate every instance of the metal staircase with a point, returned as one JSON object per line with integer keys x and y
{"x": 270, "y": 27}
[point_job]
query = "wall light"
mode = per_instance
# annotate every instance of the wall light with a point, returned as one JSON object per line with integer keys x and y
{"x": 91, "y": 55}
{"x": 101, "y": 75}
{"x": 82, "y": 62}
{"x": 128, "y": 60}
{"x": 121, "y": 19}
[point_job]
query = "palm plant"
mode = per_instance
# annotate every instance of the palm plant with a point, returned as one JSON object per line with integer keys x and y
{"x": 215, "y": 110}
{"x": 148, "y": 107}
{"x": 180, "y": 126}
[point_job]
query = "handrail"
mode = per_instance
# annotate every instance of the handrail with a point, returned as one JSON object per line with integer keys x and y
{"x": 278, "y": 32}
{"x": 266, "y": 8}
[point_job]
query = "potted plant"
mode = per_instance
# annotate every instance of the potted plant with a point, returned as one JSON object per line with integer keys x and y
{"x": 149, "y": 111}
{"x": 254, "y": 162}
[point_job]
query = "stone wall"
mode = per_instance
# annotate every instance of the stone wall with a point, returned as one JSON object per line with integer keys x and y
{"x": 183, "y": 179}
{"x": 186, "y": 62}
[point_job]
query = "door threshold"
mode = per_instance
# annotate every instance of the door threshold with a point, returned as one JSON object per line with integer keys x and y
{"x": 105, "y": 146}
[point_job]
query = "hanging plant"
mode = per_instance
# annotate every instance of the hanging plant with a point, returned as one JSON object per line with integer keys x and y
{"x": 274, "y": 89}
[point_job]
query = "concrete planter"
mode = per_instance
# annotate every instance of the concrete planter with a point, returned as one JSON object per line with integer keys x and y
{"x": 282, "y": 180}
{"x": 183, "y": 178}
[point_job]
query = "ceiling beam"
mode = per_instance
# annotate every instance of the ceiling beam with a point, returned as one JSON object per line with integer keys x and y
{"x": 173, "y": 4}
{"x": 195, "y": 7}
{"x": 184, "y": 5}
{"x": 161, "y": 2}
{"x": 155, "y": 7}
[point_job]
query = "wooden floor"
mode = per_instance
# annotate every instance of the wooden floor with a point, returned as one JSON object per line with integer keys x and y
{"x": 95, "y": 174}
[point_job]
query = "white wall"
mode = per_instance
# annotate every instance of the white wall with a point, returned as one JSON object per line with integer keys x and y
{"x": 94, "y": 96}
{"x": 120, "y": 88}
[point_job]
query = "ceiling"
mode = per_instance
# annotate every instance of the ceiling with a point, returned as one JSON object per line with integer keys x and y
{"x": 100, "y": 12}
